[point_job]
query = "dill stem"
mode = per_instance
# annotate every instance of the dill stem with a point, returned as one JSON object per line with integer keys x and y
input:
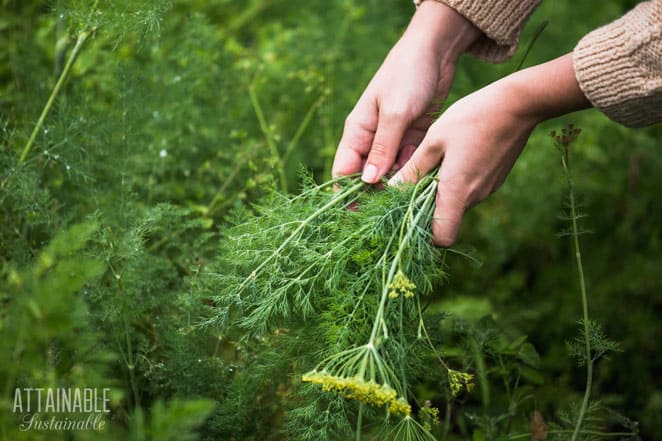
{"x": 359, "y": 423}
{"x": 582, "y": 286}
{"x": 305, "y": 122}
{"x": 266, "y": 131}
{"x": 421, "y": 325}
{"x": 447, "y": 421}
{"x": 56, "y": 90}
{"x": 482, "y": 373}
{"x": 541, "y": 27}
{"x": 221, "y": 193}
{"x": 128, "y": 358}
{"x": 583, "y": 432}
{"x": 395, "y": 263}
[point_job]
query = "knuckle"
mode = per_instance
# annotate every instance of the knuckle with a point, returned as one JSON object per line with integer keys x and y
{"x": 455, "y": 191}
{"x": 350, "y": 122}
{"x": 379, "y": 151}
{"x": 393, "y": 114}
{"x": 411, "y": 171}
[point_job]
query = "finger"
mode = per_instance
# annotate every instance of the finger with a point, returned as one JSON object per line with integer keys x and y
{"x": 423, "y": 160}
{"x": 390, "y": 130}
{"x": 410, "y": 141}
{"x": 355, "y": 143}
{"x": 451, "y": 203}
{"x": 404, "y": 155}
{"x": 413, "y": 136}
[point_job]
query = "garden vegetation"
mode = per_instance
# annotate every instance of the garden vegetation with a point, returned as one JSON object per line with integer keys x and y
{"x": 169, "y": 232}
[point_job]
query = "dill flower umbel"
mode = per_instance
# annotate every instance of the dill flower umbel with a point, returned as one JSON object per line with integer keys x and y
{"x": 459, "y": 380}
{"x": 401, "y": 285}
{"x": 361, "y": 374}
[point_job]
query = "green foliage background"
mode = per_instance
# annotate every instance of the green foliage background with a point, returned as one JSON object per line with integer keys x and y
{"x": 178, "y": 115}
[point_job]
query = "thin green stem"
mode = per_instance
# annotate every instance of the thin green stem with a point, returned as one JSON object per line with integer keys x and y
{"x": 266, "y": 131}
{"x": 481, "y": 369}
{"x": 582, "y": 286}
{"x": 359, "y": 423}
{"x": 447, "y": 421}
{"x": 56, "y": 90}
{"x": 421, "y": 326}
{"x": 302, "y": 128}
{"x": 335, "y": 200}
{"x": 248, "y": 13}
{"x": 395, "y": 263}
{"x": 221, "y": 193}
{"x": 582, "y": 432}
{"x": 128, "y": 359}
{"x": 541, "y": 27}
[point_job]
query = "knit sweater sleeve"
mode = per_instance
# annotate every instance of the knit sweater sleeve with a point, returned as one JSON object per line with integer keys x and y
{"x": 501, "y": 23}
{"x": 619, "y": 66}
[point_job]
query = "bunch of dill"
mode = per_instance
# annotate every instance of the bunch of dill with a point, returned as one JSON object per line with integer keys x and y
{"x": 347, "y": 271}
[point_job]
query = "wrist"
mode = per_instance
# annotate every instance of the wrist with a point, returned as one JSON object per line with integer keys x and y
{"x": 545, "y": 91}
{"x": 440, "y": 28}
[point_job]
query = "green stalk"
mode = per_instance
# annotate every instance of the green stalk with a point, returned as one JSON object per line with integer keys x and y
{"x": 541, "y": 27}
{"x": 249, "y": 13}
{"x": 395, "y": 263}
{"x": 266, "y": 131}
{"x": 583, "y": 432}
{"x": 359, "y": 423}
{"x": 481, "y": 369}
{"x": 447, "y": 421}
{"x": 302, "y": 128}
{"x": 56, "y": 90}
{"x": 582, "y": 286}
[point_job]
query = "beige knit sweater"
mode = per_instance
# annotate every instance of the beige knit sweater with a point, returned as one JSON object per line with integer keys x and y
{"x": 617, "y": 66}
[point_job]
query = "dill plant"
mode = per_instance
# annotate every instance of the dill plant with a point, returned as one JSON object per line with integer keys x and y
{"x": 592, "y": 343}
{"x": 372, "y": 267}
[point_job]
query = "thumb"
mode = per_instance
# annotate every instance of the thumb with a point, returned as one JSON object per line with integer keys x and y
{"x": 424, "y": 159}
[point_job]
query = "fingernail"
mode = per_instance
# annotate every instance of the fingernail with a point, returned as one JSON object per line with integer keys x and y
{"x": 395, "y": 180}
{"x": 369, "y": 174}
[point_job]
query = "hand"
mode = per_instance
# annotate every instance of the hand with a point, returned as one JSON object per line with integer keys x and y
{"x": 392, "y": 115}
{"x": 478, "y": 139}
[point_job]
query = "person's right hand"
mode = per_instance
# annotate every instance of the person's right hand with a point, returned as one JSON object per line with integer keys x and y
{"x": 395, "y": 111}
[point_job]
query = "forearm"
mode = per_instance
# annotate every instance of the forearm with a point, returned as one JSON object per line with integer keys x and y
{"x": 544, "y": 91}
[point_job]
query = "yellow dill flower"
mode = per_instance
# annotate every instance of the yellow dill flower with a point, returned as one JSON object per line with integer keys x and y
{"x": 400, "y": 406}
{"x": 458, "y": 380}
{"x": 346, "y": 373}
{"x": 428, "y": 415}
{"x": 401, "y": 285}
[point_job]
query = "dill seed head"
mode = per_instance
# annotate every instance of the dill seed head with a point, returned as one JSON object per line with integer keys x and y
{"x": 459, "y": 380}
{"x": 360, "y": 374}
{"x": 356, "y": 388}
{"x": 401, "y": 285}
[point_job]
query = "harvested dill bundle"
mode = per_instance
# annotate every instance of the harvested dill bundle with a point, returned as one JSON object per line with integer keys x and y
{"x": 351, "y": 281}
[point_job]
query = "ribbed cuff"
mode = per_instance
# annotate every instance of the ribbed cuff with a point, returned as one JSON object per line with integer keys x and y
{"x": 619, "y": 66}
{"x": 501, "y": 22}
